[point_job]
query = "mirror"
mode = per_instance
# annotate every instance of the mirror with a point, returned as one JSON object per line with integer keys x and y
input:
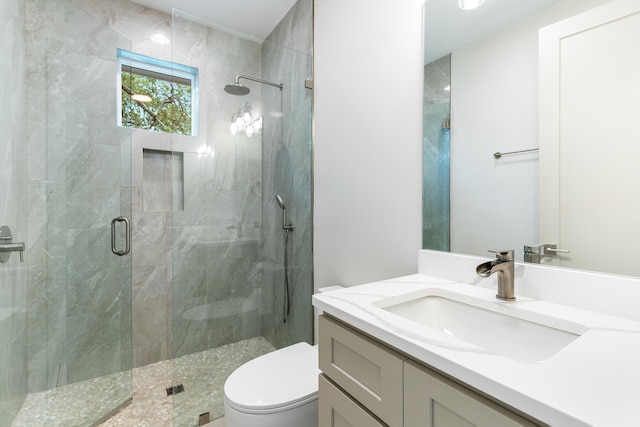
{"x": 492, "y": 56}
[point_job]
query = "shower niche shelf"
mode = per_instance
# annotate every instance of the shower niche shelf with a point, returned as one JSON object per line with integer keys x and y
{"x": 162, "y": 180}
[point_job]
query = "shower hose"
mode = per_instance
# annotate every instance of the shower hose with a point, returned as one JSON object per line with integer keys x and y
{"x": 285, "y": 314}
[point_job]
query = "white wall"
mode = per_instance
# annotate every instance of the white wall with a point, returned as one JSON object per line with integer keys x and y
{"x": 494, "y": 99}
{"x": 367, "y": 139}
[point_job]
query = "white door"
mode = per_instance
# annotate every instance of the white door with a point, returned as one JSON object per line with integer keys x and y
{"x": 590, "y": 138}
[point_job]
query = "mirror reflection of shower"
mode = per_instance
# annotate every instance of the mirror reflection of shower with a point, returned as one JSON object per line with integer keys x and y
{"x": 287, "y": 229}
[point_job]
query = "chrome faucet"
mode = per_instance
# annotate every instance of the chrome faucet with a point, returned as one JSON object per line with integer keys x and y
{"x": 503, "y": 265}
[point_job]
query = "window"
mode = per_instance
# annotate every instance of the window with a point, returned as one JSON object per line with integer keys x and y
{"x": 157, "y": 95}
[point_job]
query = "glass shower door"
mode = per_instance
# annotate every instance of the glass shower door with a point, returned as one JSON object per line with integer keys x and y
{"x": 98, "y": 203}
{"x": 96, "y": 220}
{"x": 227, "y": 238}
{"x": 13, "y": 205}
{"x": 79, "y": 174}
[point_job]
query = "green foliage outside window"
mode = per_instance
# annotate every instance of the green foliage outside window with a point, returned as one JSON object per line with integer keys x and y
{"x": 168, "y": 111}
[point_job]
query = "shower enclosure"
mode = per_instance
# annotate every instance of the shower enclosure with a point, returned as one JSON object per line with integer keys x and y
{"x": 203, "y": 286}
{"x": 67, "y": 178}
{"x": 228, "y": 276}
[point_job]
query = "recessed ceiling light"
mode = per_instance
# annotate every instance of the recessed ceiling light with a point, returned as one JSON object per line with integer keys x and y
{"x": 470, "y": 4}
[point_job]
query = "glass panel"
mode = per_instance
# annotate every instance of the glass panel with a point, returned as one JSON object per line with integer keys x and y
{"x": 13, "y": 212}
{"x": 228, "y": 277}
{"x": 436, "y": 142}
{"x": 78, "y": 170}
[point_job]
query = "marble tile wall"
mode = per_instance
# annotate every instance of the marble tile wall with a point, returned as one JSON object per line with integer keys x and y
{"x": 202, "y": 249}
{"x": 162, "y": 180}
{"x": 216, "y": 237}
{"x": 208, "y": 254}
{"x": 151, "y": 298}
{"x": 435, "y": 155}
{"x": 47, "y": 174}
{"x": 13, "y": 209}
{"x": 286, "y": 58}
{"x": 78, "y": 174}
{"x": 197, "y": 266}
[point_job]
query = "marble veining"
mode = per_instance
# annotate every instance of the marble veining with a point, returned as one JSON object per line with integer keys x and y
{"x": 591, "y": 381}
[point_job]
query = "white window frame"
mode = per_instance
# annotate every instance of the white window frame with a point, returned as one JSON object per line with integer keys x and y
{"x": 170, "y": 69}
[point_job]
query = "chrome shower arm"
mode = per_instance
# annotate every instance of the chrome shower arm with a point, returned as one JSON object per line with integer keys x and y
{"x": 254, "y": 79}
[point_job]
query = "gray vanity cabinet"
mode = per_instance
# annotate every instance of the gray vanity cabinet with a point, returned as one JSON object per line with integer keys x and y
{"x": 366, "y": 370}
{"x": 337, "y": 409}
{"x": 364, "y": 383}
{"x": 431, "y": 400}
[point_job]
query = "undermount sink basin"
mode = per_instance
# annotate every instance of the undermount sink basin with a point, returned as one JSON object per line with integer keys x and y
{"x": 496, "y": 328}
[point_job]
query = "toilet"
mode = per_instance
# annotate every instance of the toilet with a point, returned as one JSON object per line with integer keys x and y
{"x": 278, "y": 389}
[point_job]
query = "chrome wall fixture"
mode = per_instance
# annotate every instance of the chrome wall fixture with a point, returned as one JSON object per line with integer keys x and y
{"x": 7, "y": 246}
{"x": 542, "y": 253}
{"x": 280, "y": 202}
{"x": 288, "y": 228}
{"x": 238, "y": 89}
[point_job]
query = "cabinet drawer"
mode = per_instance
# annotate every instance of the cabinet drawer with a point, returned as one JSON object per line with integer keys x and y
{"x": 336, "y": 409}
{"x": 369, "y": 372}
{"x": 443, "y": 403}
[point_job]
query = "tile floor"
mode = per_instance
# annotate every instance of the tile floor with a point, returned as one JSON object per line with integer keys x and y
{"x": 202, "y": 374}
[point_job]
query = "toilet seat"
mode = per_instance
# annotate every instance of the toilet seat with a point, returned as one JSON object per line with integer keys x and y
{"x": 275, "y": 382}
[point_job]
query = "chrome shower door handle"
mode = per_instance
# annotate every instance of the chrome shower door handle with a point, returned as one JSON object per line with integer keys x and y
{"x": 127, "y": 231}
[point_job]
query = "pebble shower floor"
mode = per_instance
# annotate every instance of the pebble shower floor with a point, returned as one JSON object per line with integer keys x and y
{"x": 202, "y": 374}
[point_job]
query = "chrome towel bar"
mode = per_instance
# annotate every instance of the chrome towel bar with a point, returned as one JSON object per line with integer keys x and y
{"x": 498, "y": 154}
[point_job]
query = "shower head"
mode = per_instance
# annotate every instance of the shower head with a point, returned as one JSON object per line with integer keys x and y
{"x": 280, "y": 202}
{"x": 285, "y": 226}
{"x": 238, "y": 89}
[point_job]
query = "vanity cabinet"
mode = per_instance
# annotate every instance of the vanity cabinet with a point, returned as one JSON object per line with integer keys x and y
{"x": 337, "y": 409}
{"x": 431, "y": 400}
{"x": 365, "y": 383}
{"x": 369, "y": 372}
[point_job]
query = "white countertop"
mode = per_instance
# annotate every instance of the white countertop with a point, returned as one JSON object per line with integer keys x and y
{"x": 595, "y": 380}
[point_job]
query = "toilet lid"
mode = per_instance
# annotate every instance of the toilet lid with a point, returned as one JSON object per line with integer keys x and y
{"x": 280, "y": 378}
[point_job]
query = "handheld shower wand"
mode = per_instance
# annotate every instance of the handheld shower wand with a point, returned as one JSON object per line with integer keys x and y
{"x": 285, "y": 226}
{"x": 287, "y": 229}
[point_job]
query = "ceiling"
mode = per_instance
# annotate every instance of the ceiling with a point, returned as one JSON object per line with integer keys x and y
{"x": 448, "y": 28}
{"x": 253, "y": 18}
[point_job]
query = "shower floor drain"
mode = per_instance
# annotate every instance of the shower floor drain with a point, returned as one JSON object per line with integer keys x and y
{"x": 175, "y": 389}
